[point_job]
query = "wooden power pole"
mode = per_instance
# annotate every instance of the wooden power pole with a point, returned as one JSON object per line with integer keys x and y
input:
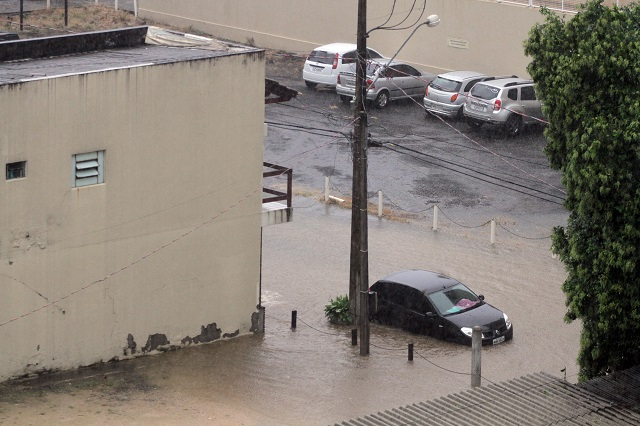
{"x": 359, "y": 271}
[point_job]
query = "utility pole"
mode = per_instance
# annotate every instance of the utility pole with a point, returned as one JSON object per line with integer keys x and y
{"x": 359, "y": 270}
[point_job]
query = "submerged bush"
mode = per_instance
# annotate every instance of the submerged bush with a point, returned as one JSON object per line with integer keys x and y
{"x": 338, "y": 310}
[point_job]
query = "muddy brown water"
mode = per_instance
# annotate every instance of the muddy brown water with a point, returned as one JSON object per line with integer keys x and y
{"x": 313, "y": 375}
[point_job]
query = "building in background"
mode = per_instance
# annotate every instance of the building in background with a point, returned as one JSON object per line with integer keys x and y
{"x": 481, "y": 35}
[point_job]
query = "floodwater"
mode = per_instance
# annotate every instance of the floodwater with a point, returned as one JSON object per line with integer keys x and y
{"x": 313, "y": 375}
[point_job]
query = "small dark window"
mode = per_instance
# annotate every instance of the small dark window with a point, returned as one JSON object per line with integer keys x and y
{"x": 470, "y": 85}
{"x": 16, "y": 170}
{"x": 372, "y": 54}
{"x": 349, "y": 57}
{"x": 513, "y": 94}
{"x": 527, "y": 93}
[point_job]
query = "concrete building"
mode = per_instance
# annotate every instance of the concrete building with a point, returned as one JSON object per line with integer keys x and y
{"x": 131, "y": 206}
{"x": 481, "y": 35}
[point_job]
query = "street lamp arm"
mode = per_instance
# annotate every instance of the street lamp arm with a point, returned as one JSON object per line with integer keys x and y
{"x": 432, "y": 21}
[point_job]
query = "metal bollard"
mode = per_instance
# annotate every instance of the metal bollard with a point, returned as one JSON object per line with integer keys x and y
{"x": 326, "y": 189}
{"x": 410, "y": 357}
{"x": 435, "y": 218}
{"x": 493, "y": 231}
{"x": 294, "y": 319}
{"x": 354, "y": 337}
{"x": 476, "y": 356}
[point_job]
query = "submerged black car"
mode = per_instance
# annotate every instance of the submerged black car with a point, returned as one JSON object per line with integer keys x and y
{"x": 429, "y": 303}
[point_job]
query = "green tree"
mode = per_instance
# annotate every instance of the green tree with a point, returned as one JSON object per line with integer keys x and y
{"x": 587, "y": 73}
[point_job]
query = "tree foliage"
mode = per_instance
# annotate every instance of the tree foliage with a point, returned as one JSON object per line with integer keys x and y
{"x": 587, "y": 73}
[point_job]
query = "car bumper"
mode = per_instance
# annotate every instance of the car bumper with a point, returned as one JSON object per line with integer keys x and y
{"x": 490, "y": 118}
{"x": 440, "y": 108}
{"x": 488, "y": 340}
{"x": 329, "y": 80}
{"x": 351, "y": 92}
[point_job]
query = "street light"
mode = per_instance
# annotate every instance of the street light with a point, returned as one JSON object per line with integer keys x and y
{"x": 359, "y": 267}
{"x": 432, "y": 21}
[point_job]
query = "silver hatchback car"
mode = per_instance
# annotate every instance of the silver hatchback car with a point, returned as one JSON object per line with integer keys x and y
{"x": 446, "y": 94}
{"x": 508, "y": 102}
{"x": 385, "y": 82}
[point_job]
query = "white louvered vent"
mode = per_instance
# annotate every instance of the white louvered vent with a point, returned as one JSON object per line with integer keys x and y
{"x": 88, "y": 168}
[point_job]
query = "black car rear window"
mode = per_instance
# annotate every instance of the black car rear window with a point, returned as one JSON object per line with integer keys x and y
{"x": 484, "y": 91}
{"x": 446, "y": 84}
{"x": 321, "y": 56}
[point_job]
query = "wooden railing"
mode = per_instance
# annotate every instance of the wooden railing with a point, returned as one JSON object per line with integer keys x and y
{"x": 277, "y": 171}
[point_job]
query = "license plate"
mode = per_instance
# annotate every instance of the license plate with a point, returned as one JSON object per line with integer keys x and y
{"x": 477, "y": 107}
{"x": 434, "y": 106}
{"x": 317, "y": 69}
{"x": 498, "y": 340}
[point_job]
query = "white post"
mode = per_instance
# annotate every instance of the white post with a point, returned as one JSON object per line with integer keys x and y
{"x": 379, "y": 203}
{"x": 135, "y": 8}
{"x": 493, "y": 231}
{"x": 435, "y": 218}
{"x": 326, "y": 189}
{"x": 116, "y": 4}
{"x": 48, "y": 4}
{"x": 476, "y": 356}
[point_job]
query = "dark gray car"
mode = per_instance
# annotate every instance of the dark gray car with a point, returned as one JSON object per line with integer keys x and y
{"x": 429, "y": 303}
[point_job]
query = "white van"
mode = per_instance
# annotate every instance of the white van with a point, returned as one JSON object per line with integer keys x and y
{"x": 325, "y": 63}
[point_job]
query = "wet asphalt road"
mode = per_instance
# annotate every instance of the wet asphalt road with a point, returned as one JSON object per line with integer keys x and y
{"x": 473, "y": 176}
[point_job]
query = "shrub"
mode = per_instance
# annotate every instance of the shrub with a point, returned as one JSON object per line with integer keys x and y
{"x": 338, "y": 310}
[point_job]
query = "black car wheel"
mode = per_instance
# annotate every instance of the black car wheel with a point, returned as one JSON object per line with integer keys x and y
{"x": 460, "y": 114}
{"x": 310, "y": 84}
{"x": 382, "y": 100}
{"x": 513, "y": 126}
{"x": 473, "y": 123}
{"x": 346, "y": 99}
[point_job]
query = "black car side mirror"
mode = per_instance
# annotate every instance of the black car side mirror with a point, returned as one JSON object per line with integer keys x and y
{"x": 429, "y": 315}
{"x": 481, "y": 297}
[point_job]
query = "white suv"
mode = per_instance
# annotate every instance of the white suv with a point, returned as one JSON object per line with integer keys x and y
{"x": 508, "y": 102}
{"x": 325, "y": 63}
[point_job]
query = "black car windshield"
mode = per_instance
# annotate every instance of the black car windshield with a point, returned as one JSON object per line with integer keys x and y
{"x": 484, "y": 91}
{"x": 454, "y": 299}
{"x": 445, "y": 84}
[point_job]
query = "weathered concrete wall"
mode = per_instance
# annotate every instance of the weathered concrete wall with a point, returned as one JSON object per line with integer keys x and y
{"x": 486, "y": 36}
{"x": 167, "y": 250}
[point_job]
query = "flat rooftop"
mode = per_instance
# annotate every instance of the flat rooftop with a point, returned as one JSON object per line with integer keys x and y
{"x": 51, "y": 57}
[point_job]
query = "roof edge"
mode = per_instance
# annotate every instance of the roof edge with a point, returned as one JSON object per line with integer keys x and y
{"x": 44, "y": 47}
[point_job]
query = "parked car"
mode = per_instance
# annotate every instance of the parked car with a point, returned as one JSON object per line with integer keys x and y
{"x": 446, "y": 94}
{"x": 429, "y": 303}
{"x": 508, "y": 102}
{"x": 324, "y": 63}
{"x": 385, "y": 82}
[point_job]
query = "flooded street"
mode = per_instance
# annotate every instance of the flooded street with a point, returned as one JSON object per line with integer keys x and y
{"x": 313, "y": 375}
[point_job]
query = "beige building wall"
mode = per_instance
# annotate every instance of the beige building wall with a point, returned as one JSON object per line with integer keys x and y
{"x": 485, "y": 36}
{"x": 167, "y": 245}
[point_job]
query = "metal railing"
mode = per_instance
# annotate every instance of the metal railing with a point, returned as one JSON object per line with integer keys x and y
{"x": 572, "y": 6}
{"x": 277, "y": 195}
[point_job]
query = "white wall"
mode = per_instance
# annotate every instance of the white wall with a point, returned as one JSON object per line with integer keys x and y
{"x": 478, "y": 35}
{"x": 169, "y": 243}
